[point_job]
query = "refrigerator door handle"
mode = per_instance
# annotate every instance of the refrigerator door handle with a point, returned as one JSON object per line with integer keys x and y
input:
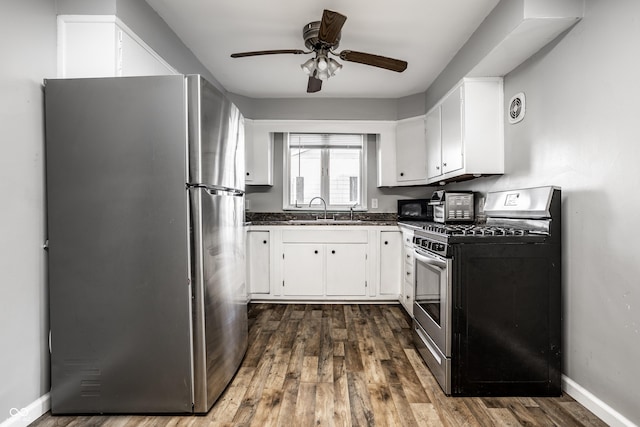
{"x": 217, "y": 190}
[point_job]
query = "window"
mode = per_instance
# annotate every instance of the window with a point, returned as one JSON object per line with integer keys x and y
{"x": 331, "y": 166}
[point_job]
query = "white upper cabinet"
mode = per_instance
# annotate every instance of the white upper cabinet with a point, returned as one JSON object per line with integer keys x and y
{"x": 451, "y": 132}
{"x": 433, "y": 138}
{"x": 103, "y": 46}
{"x": 258, "y": 142}
{"x": 401, "y": 156}
{"x": 411, "y": 152}
{"x": 469, "y": 140}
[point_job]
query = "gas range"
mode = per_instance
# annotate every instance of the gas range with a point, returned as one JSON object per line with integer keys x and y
{"x": 488, "y": 294}
{"x": 437, "y": 237}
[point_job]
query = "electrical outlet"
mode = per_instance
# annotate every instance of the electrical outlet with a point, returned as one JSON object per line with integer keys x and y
{"x": 374, "y": 203}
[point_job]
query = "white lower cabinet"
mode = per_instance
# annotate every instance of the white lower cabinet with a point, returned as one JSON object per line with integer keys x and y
{"x": 326, "y": 263}
{"x": 258, "y": 256}
{"x": 303, "y": 269}
{"x": 332, "y": 269}
{"x": 390, "y": 262}
{"x": 346, "y": 266}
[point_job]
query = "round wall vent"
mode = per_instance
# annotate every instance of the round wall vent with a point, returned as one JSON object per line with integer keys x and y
{"x": 516, "y": 108}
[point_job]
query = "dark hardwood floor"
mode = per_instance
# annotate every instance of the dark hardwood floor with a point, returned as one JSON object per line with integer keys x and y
{"x": 344, "y": 365}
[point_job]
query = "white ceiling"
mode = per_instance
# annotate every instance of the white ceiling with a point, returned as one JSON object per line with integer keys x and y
{"x": 425, "y": 33}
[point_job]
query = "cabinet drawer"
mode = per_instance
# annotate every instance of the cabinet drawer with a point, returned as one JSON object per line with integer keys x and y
{"x": 325, "y": 236}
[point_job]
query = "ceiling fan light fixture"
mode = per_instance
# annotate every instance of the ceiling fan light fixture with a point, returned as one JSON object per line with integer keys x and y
{"x": 334, "y": 67}
{"x": 323, "y": 75}
{"x": 322, "y": 63}
{"x": 309, "y": 66}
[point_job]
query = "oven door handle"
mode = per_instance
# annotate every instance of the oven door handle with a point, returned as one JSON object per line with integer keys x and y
{"x": 430, "y": 259}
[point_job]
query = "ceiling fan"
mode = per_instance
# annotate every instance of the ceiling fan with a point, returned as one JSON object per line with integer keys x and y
{"x": 323, "y": 38}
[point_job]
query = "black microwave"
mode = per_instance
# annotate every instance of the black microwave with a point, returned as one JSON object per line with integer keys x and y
{"x": 415, "y": 210}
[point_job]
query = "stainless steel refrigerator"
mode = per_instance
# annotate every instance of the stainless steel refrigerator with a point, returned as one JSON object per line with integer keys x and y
{"x": 145, "y": 210}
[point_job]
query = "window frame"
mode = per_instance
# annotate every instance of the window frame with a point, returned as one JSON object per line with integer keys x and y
{"x": 325, "y": 181}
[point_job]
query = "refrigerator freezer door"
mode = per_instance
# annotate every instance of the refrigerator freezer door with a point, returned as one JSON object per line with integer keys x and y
{"x": 216, "y": 150}
{"x": 120, "y": 306}
{"x": 220, "y": 299}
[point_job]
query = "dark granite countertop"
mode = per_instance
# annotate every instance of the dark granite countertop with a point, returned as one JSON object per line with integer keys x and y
{"x": 329, "y": 224}
{"x": 306, "y": 219}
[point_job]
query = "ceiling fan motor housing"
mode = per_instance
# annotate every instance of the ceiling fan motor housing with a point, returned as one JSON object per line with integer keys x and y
{"x": 312, "y": 41}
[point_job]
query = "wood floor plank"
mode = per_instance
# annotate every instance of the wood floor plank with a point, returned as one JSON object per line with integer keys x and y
{"x": 342, "y": 365}
{"x": 227, "y": 406}
{"x": 325, "y": 359}
{"x": 402, "y": 405}
{"x": 384, "y": 409}
{"x": 268, "y": 409}
{"x": 359, "y": 400}
{"x": 309, "y": 372}
{"x": 289, "y": 402}
{"x": 342, "y": 408}
{"x": 503, "y": 417}
{"x": 579, "y": 412}
{"x": 278, "y": 372}
{"x": 523, "y": 414}
{"x": 325, "y": 402}
{"x": 305, "y": 405}
{"x": 425, "y": 414}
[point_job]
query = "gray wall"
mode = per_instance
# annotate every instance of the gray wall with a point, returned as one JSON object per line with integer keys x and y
{"x": 28, "y": 46}
{"x": 502, "y": 19}
{"x": 151, "y": 28}
{"x": 269, "y": 199}
{"x": 580, "y": 132}
{"x": 330, "y": 108}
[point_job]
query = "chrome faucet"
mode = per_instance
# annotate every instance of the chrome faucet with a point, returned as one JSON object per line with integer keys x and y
{"x": 323, "y": 202}
{"x": 351, "y": 208}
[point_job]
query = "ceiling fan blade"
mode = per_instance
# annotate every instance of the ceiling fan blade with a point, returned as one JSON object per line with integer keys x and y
{"x": 267, "y": 52}
{"x": 314, "y": 85}
{"x": 374, "y": 60}
{"x": 330, "y": 26}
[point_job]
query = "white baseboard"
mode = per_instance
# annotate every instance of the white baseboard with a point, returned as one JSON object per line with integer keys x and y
{"x": 603, "y": 411}
{"x": 24, "y": 416}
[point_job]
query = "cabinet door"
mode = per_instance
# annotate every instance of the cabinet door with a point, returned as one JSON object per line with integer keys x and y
{"x": 258, "y": 155}
{"x": 452, "y": 131}
{"x": 434, "y": 143}
{"x": 411, "y": 151}
{"x": 259, "y": 259}
{"x": 346, "y": 269}
{"x": 303, "y": 269}
{"x": 390, "y": 262}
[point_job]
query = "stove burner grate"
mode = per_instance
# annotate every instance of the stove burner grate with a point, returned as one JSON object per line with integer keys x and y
{"x": 474, "y": 230}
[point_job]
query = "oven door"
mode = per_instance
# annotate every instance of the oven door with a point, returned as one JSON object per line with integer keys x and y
{"x": 432, "y": 303}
